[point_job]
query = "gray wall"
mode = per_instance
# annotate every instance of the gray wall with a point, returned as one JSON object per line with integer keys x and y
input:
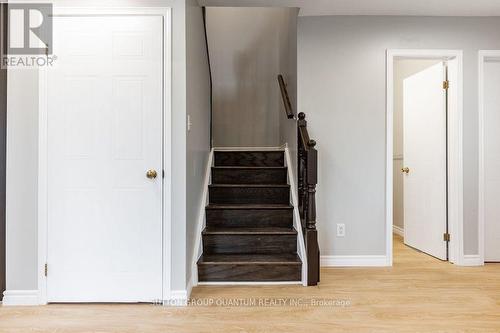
{"x": 198, "y": 108}
{"x": 22, "y": 157}
{"x": 246, "y": 56}
{"x": 288, "y": 65}
{"x": 341, "y": 77}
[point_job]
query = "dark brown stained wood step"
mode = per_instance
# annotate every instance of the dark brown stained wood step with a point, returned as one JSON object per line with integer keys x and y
{"x": 252, "y": 231}
{"x": 249, "y": 259}
{"x": 249, "y": 158}
{"x": 232, "y": 216}
{"x": 249, "y": 194}
{"x": 249, "y": 175}
{"x": 249, "y": 206}
{"x": 249, "y": 273}
{"x": 249, "y": 268}
{"x": 249, "y": 241}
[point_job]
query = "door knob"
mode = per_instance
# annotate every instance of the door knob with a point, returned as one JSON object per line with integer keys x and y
{"x": 151, "y": 174}
{"x": 405, "y": 170}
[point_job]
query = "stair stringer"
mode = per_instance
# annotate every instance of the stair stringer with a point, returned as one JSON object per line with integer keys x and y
{"x": 301, "y": 248}
{"x": 197, "y": 245}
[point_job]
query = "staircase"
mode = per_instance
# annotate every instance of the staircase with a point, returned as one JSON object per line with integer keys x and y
{"x": 249, "y": 234}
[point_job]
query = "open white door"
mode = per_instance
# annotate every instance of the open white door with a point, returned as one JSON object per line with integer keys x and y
{"x": 492, "y": 160}
{"x": 424, "y": 145}
{"x": 104, "y": 113}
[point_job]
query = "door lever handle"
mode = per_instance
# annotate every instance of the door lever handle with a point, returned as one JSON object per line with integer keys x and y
{"x": 405, "y": 170}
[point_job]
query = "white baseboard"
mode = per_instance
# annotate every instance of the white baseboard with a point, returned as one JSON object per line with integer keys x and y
{"x": 177, "y": 298}
{"x": 398, "y": 230}
{"x": 355, "y": 261}
{"x": 20, "y": 297}
{"x": 472, "y": 260}
{"x": 180, "y": 297}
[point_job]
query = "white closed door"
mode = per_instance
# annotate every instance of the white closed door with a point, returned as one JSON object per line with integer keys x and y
{"x": 104, "y": 130}
{"x": 424, "y": 145}
{"x": 492, "y": 161}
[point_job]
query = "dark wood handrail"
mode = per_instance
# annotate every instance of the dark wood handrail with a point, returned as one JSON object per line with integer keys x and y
{"x": 307, "y": 165}
{"x": 286, "y": 98}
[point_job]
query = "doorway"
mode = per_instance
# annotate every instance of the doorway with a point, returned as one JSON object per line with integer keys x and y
{"x": 424, "y": 151}
{"x": 3, "y": 141}
{"x": 489, "y": 156}
{"x": 103, "y": 125}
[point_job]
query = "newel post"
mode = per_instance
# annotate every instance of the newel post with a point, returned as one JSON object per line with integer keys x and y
{"x": 311, "y": 237}
{"x": 311, "y": 181}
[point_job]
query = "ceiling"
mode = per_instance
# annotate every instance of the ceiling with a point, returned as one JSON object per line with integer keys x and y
{"x": 373, "y": 7}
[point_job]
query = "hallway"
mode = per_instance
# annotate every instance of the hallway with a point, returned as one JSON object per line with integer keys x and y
{"x": 419, "y": 293}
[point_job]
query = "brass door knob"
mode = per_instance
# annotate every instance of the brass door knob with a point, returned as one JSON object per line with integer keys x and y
{"x": 151, "y": 174}
{"x": 405, "y": 170}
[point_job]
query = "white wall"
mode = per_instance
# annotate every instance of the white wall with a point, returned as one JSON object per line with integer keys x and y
{"x": 198, "y": 108}
{"x": 403, "y": 68}
{"x": 341, "y": 87}
{"x": 22, "y": 159}
{"x": 246, "y": 56}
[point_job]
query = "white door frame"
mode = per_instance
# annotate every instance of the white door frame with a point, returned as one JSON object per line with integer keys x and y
{"x": 165, "y": 13}
{"x": 455, "y": 151}
{"x": 483, "y": 55}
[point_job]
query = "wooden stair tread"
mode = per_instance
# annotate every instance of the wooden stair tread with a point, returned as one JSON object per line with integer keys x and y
{"x": 249, "y": 234}
{"x": 236, "y": 151}
{"x": 249, "y": 259}
{"x": 236, "y": 167}
{"x": 250, "y": 231}
{"x": 249, "y": 158}
{"x": 249, "y": 206}
{"x": 251, "y": 185}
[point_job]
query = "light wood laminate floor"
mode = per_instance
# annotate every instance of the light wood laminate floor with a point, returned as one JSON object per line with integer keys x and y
{"x": 418, "y": 294}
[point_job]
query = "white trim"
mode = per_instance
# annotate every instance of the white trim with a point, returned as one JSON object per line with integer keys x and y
{"x": 398, "y": 230}
{"x": 281, "y": 148}
{"x": 190, "y": 284}
{"x": 42, "y": 186}
{"x": 177, "y": 298}
{"x": 20, "y": 297}
{"x": 355, "y": 261}
{"x": 165, "y": 13}
{"x": 301, "y": 248}
{"x": 472, "y": 260}
{"x": 269, "y": 283}
{"x": 197, "y": 245}
{"x": 482, "y": 56}
{"x": 455, "y": 154}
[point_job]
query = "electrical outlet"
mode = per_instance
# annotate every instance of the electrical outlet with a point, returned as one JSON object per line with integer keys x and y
{"x": 340, "y": 230}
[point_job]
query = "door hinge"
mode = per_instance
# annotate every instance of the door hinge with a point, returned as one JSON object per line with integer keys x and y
{"x": 46, "y": 270}
{"x": 446, "y": 84}
{"x": 446, "y": 237}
